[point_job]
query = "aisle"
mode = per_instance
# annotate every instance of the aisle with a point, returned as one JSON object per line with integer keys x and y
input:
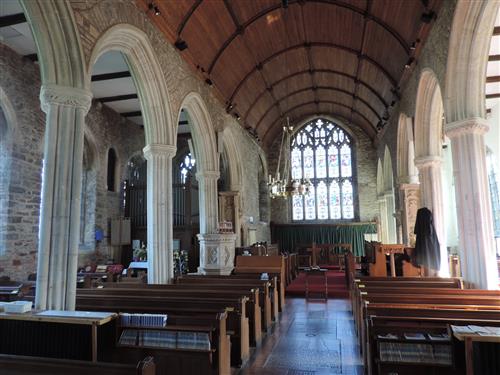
{"x": 336, "y": 284}
{"x": 311, "y": 338}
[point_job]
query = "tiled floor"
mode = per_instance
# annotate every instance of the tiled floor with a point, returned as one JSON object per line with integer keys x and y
{"x": 311, "y": 338}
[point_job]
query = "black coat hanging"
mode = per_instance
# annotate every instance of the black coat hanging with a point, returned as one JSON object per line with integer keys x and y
{"x": 427, "y": 252}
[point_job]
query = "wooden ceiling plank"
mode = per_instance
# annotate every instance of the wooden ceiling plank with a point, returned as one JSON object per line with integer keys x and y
{"x": 117, "y": 98}
{"x": 494, "y": 58}
{"x": 12, "y": 19}
{"x": 492, "y": 79}
{"x": 493, "y": 96}
{"x": 322, "y": 44}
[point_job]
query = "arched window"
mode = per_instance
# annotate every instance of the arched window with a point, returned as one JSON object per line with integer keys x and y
{"x": 321, "y": 151}
{"x": 186, "y": 165}
{"x": 111, "y": 169}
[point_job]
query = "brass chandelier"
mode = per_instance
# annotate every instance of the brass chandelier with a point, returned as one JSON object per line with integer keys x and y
{"x": 282, "y": 185}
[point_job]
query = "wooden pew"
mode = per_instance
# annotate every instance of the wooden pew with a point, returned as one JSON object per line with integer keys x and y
{"x": 268, "y": 264}
{"x": 135, "y": 300}
{"x": 207, "y": 291}
{"x": 26, "y": 365}
{"x": 207, "y": 319}
{"x": 268, "y": 288}
{"x": 380, "y": 326}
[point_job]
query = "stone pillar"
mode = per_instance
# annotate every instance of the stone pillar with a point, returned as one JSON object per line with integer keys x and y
{"x": 410, "y": 202}
{"x": 216, "y": 253}
{"x": 159, "y": 211}
{"x": 384, "y": 223}
{"x": 477, "y": 250}
{"x": 59, "y": 229}
{"x": 208, "y": 200}
{"x": 431, "y": 196}
{"x": 391, "y": 219}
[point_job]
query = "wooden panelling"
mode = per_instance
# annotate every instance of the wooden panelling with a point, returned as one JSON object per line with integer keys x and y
{"x": 352, "y": 51}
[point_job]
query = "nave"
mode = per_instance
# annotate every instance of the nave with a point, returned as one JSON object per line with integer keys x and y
{"x": 312, "y": 337}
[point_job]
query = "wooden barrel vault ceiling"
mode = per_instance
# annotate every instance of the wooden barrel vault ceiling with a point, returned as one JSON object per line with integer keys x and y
{"x": 272, "y": 59}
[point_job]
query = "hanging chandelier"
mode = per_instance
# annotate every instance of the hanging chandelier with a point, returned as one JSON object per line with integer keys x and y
{"x": 282, "y": 185}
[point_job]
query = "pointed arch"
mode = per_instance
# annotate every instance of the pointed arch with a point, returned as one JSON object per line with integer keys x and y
{"x": 428, "y": 116}
{"x": 203, "y": 132}
{"x": 57, "y": 40}
{"x": 406, "y": 169}
{"x": 148, "y": 77}
{"x": 468, "y": 51}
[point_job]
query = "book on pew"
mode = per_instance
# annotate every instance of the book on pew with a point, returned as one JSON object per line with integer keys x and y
{"x": 414, "y": 336}
{"x": 438, "y": 336}
{"x": 143, "y": 320}
{"x": 165, "y": 339}
{"x": 398, "y": 352}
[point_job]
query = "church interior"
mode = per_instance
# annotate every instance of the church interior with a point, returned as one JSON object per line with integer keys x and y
{"x": 224, "y": 187}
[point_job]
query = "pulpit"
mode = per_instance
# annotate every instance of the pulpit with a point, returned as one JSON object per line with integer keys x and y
{"x": 216, "y": 253}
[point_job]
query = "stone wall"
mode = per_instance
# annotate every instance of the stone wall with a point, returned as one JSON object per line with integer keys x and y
{"x": 366, "y": 171}
{"x": 21, "y": 156}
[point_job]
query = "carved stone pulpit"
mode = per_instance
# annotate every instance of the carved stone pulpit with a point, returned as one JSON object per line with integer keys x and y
{"x": 216, "y": 253}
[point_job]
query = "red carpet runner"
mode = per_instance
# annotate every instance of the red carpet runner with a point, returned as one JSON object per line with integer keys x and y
{"x": 336, "y": 285}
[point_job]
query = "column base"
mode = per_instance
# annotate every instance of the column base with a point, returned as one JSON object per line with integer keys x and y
{"x": 216, "y": 253}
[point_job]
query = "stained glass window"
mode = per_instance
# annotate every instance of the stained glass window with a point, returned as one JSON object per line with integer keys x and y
{"x": 322, "y": 152}
{"x": 186, "y": 165}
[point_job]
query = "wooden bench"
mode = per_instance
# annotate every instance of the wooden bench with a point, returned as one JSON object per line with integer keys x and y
{"x": 26, "y": 365}
{"x": 380, "y": 326}
{"x": 127, "y": 301}
{"x": 268, "y": 290}
{"x": 264, "y": 264}
{"x": 204, "y": 291}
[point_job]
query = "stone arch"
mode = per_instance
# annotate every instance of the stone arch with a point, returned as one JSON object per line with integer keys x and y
{"x": 470, "y": 36}
{"x": 58, "y": 42}
{"x": 406, "y": 170}
{"x": 428, "y": 151}
{"x": 147, "y": 75}
{"x": 428, "y": 116}
{"x": 234, "y": 159}
{"x": 203, "y": 132}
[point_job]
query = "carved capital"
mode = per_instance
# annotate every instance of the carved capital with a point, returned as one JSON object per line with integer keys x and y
{"x": 207, "y": 175}
{"x": 476, "y": 125}
{"x": 156, "y": 149}
{"x": 65, "y": 96}
{"x": 428, "y": 161}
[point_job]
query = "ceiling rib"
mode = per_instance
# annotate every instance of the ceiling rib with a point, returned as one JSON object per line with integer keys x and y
{"x": 264, "y": 12}
{"x": 12, "y": 19}
{"x": 492, "y": 79}
{"x": 315, "y": 88}
{"x": 330, "y": 71}
{"x": 188, "y": 15}
{"x": 315, "y": 44}
{"x": 273, "y": 127}
{"x": 314, "y": 102}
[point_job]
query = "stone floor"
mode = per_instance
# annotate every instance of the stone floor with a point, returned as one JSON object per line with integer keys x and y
{"x": 311, "y": 338}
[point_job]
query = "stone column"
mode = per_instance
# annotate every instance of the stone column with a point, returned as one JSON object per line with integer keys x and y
{"x": 208, "y": 200}
{"x": 391, "y": 219}
{"x": 59, "y": 229}
{"x": 159, "y": 211}
{"x": 410, "y": 202}
{"x": 475, "y": 222}
{"x": 431, "y": 196}
{"x": 382, "y": 208}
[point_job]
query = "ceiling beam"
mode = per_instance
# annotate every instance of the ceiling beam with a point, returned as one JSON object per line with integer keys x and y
{"x": 131, "y": 114}
{"x": 12, "y": 19}
{"x": 186, "y": 18}
{"x": 391, "y": 79}
{"x": 496, "y": 30}
{"x": 329, "y": 71}
{"x": 108, "y": 76}
{"x": 494, "y": 58}
{"x": 352, "y": 95}
{"x": 309, "y": 103}
{"x": 492, "y": 79}
{"x": 493, "y": 96}
{"x": 32, "y": 56}
{"x": 264, "y": 12}
{"x": 117, "y": 98}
